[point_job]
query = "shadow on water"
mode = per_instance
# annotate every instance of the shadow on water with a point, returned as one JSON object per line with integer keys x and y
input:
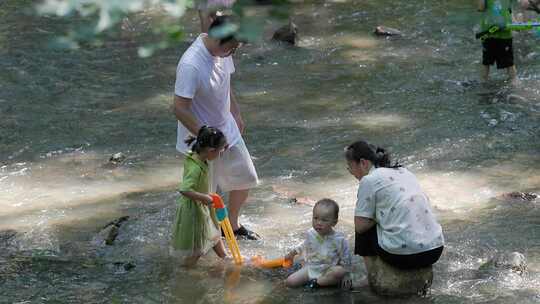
{"x": 52, "y": 99}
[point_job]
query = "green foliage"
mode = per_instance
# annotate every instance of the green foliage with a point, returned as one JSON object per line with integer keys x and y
{"x": 101, "y": 18}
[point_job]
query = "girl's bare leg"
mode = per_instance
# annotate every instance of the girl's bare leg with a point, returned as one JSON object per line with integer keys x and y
{"x": 219, "y": 249}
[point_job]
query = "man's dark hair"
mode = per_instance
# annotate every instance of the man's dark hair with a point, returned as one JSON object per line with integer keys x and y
{"x": 223, "y": 29}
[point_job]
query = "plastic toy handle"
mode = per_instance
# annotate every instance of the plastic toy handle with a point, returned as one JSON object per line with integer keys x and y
{"x": 217, "y": 201}
{"x": 230, "y": 238}
{"x": 256, "y": 260}
{"x": 287, "y": 263}
{"x": 274, "y": 263}
{"x": 221, "y": 214}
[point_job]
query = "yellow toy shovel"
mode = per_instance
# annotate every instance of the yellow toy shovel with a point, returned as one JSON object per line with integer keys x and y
{"x": 223, "y": 218}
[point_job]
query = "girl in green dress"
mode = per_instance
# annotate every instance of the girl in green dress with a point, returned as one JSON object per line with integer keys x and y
{"x": 195, "y": 228}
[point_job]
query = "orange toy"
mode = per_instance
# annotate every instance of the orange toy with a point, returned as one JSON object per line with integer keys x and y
{"x": 259, "y": 261}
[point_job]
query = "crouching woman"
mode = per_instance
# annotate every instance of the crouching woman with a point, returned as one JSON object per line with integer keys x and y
{"x": 393, "y": 217}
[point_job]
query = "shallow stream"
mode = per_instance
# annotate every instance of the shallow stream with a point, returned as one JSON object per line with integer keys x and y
{"x": 64, "y": 113}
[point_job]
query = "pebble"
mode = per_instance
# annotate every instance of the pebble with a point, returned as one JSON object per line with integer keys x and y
{"x": 507, "y": 116}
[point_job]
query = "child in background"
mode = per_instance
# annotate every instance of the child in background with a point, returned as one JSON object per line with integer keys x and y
{"x": 195, "y": 228}
{"x": 326, "y": 252}
{"x": 497, "y": 47}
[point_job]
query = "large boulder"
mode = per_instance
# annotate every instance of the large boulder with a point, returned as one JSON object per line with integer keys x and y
{"x": 390, "y": 281}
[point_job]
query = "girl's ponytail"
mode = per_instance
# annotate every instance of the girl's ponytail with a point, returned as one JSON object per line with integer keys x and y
{"x": 190, "y": 140}
{"x": 208, "y": 137}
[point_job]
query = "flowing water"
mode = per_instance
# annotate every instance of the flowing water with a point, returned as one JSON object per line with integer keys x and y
{"x": 64, "y": 113}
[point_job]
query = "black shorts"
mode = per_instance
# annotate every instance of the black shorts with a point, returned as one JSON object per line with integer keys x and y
{"x": 498, "y": 51}
{"x": 367, "y": 244}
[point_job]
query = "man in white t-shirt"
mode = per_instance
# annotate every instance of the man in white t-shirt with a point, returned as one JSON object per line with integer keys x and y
{"x": 203, "y": 96}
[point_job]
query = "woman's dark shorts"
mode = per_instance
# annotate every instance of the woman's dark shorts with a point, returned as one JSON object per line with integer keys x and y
{"x": 495, "y": 50}
{"x": 367, "y": 244}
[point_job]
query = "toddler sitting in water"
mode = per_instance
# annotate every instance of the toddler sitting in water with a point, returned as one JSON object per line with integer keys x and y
{"x": 325, "y": 251}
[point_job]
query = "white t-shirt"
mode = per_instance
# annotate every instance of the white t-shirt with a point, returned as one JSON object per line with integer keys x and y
{"x": 322, "y": 252}
{"x": 206, "y": 80}
{"x": 405, "y": 222}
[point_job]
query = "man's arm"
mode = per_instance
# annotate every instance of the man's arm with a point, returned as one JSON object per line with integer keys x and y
{"x": 182, "y": 111}
{"x": 235, "y": 110}
{"x": 481, "y": 5}
{"x": 362, "y": 224}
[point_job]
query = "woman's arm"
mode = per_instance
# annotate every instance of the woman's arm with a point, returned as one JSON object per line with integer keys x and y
{"x": 362, "y": 224}
{"x": 197, "y": 196}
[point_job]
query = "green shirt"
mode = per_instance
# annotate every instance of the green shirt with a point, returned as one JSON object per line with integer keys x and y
{"x": 195, "y": 176}
{"x": 498, "y": 12}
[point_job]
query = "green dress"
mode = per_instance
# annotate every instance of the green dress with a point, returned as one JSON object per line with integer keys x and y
{"x": 195, "y": 229}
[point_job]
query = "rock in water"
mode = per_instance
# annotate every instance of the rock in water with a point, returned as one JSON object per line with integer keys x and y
{"x": 389, "y": 281}
{"x": 520, "y": 196}
{"x": 117, "y": 158}
{"x": 117, "y": 222}
{"x": 513, "y": 261}
{"x": 515, "y": 98}
{"x": 108, "y": 234}
{"x": 287, "y": 33}
{"x": 386, "y": 31}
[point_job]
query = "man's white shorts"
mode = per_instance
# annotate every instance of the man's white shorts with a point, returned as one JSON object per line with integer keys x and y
{"x": 233, "y": 169}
